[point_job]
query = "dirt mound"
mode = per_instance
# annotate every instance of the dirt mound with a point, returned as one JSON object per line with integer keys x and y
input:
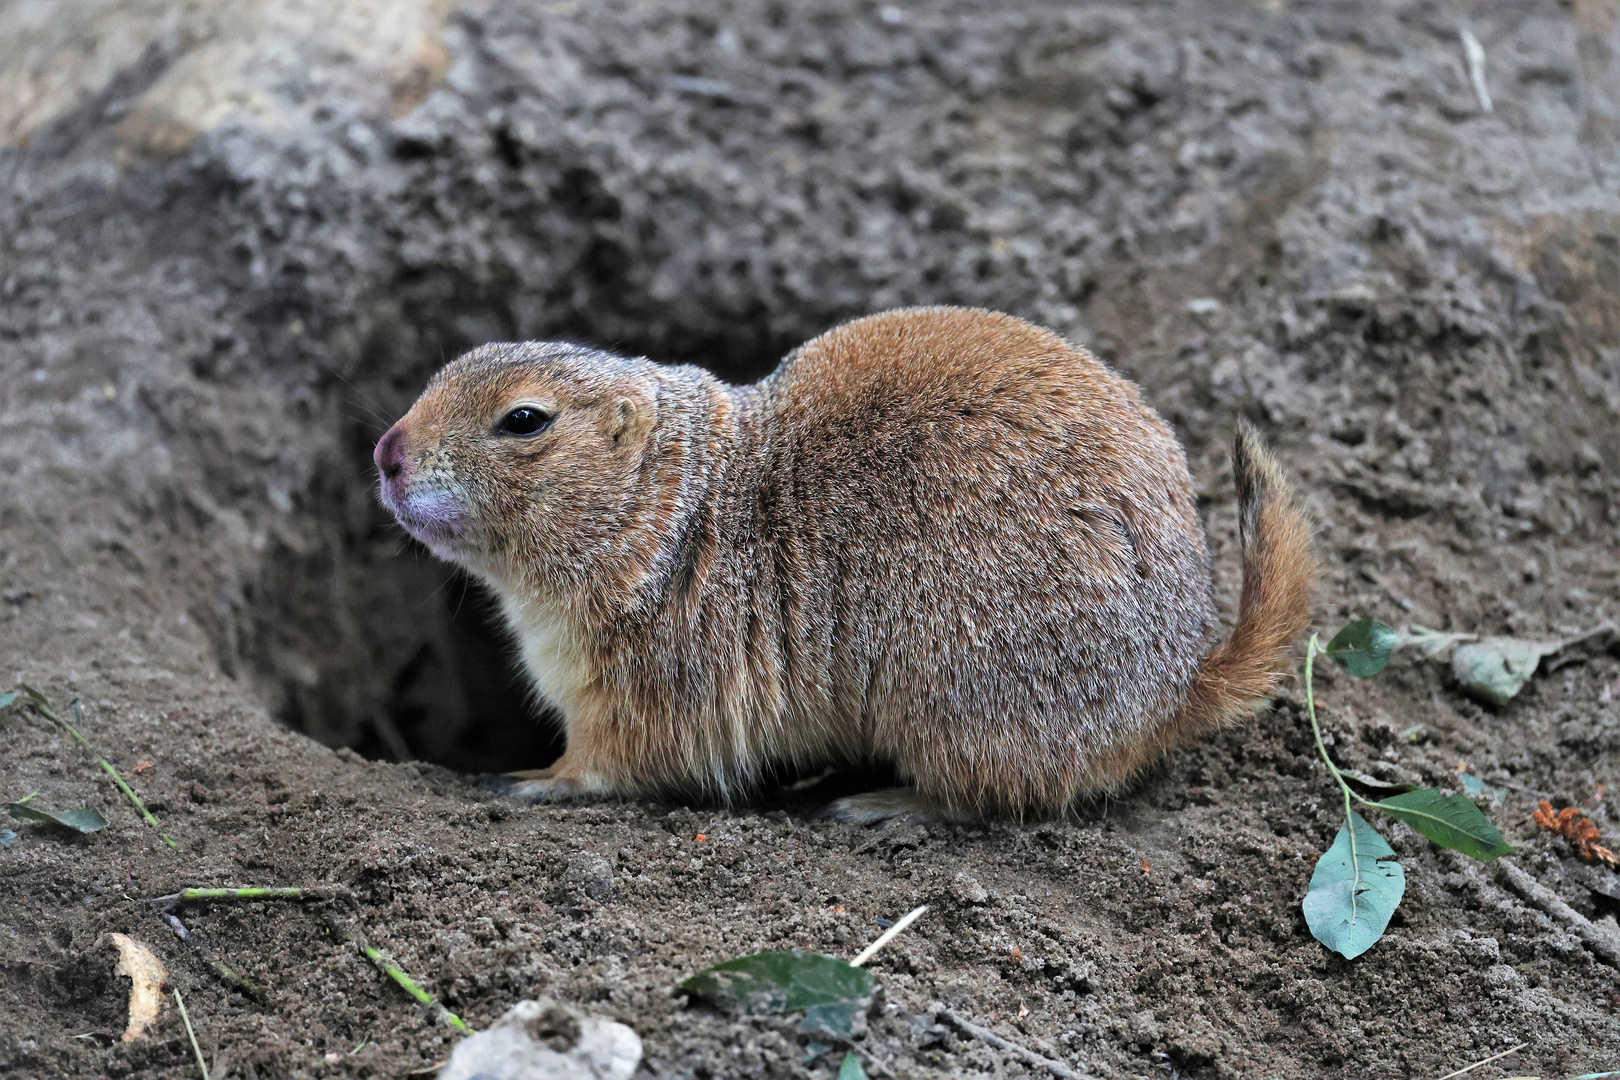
{"x": 233, "y": 247}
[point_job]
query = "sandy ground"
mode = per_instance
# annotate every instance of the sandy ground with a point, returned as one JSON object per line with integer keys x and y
{"x": 233, "y": 244}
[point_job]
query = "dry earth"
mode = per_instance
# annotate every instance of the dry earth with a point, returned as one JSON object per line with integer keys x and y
{"x": 235, "y": 238}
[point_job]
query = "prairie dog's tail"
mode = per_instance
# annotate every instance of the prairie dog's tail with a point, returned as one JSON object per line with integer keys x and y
{"x": 1278, "y": 573}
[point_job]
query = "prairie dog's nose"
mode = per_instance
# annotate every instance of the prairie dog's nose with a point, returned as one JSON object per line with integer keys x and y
{"x": 390, "y": 452}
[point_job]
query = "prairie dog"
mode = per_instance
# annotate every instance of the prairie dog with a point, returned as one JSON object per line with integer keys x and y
{"x": 939, "y": 538}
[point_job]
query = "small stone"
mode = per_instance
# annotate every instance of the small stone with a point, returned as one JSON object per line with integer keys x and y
{"x": 966, "y": 889}
{"x": 589, "y": 875}
{"x": 546, "y": 1040}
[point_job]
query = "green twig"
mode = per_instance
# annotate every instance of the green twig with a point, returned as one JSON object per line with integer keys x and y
{"x": 43, "y": 706}
{"x": 187, "y": 896}
{"x": 201, "y": 1064}
{"x": 225, "y": 972}
{"x": 392, "y": 970}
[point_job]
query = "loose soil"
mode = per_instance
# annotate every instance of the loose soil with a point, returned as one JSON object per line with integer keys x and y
{"x": 234, "y": 243}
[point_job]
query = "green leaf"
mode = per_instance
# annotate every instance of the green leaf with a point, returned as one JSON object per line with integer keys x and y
{"x": 1496, "y": 668}
{"x": 1477, "y": 789}
{"x": 831, "y": 992}
{"x": 851, "y": 1068}
{"x": 86, "y": 819}
{"x": 7, "y": 698}
{"x": 1363, "y": 647}
{"x": 1449, "y": 820}
{"x": 1353, "y": 891}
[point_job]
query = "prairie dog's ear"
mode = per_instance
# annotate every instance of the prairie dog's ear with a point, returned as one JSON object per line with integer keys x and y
{"x": 628, "y": 422}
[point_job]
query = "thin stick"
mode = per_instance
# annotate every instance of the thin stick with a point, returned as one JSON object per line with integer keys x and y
{"x": 1474, "y": 53}
{"x": 1027, "y": 1056}
{"x": 888, "y": 935}
{"x": 392, "y": 970}
{"x": 37, "y": 699}
{"x": 201, "y": 1064}
{"x": 1487, "y": 1061}
{"x": 1604, "y": 942}
{"x": 226, "y": 973}
{"x": 187, "y": 896}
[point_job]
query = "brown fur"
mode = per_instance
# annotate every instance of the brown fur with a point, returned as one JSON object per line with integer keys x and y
{"x": 939, "y": 538}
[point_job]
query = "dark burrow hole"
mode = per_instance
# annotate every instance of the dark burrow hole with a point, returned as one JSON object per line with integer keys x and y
{"x": 359, "y": 637}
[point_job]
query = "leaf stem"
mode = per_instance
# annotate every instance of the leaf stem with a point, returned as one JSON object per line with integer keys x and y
{"x": 45, "y": 710}
{"x": 189, "y": 896}
{"x": 1311, "y": 652}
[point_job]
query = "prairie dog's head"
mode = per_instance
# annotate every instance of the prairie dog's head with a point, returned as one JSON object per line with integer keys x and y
{"x": 520, "y": 458}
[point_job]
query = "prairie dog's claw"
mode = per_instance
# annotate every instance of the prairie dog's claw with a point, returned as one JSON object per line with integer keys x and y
{"x": 544, "y": 786}
{"x": 889, "y": 804}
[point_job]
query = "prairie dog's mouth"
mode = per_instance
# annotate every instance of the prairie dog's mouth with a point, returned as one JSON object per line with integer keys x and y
{"x": 433, "y": 516}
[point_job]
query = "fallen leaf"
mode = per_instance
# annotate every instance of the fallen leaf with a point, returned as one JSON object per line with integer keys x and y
{"x": 1023, "y": 1010}
{"x": 1494, "y": 669}
{"x": 1432, "y": 642}
{"x": 1146, "y": 869}
{"x": 1369, "y": 780}
{"x": 1477, "y": 789}
{"x": 141, "y": 768}
{"x": 701, "y": 838}
{"x": 146, "y": 975}
{"x": 1354, "y": 890}
{"x": 86, "y": 819}
{"x": 831, "y": 993}
{"x": 7, "y": 698}
{"x": 7, "y": 838}
{"x": 1017, "y": 955}
{"x": 1578, "y": 829}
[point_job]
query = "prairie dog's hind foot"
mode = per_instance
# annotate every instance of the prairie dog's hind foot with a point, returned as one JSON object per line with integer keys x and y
{"x": 889, "y": 804}
{"x": 547, "y": 786}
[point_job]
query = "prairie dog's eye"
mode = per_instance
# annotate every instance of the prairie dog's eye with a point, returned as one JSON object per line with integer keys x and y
{"x": 523, "y": 420}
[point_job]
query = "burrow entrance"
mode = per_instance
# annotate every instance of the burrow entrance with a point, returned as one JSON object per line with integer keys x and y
{"x": 360, "y": 638}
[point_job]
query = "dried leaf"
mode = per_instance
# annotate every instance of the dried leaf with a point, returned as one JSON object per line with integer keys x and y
{"x": 146, "y": 975}
{"x": 1578, "y": 829}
